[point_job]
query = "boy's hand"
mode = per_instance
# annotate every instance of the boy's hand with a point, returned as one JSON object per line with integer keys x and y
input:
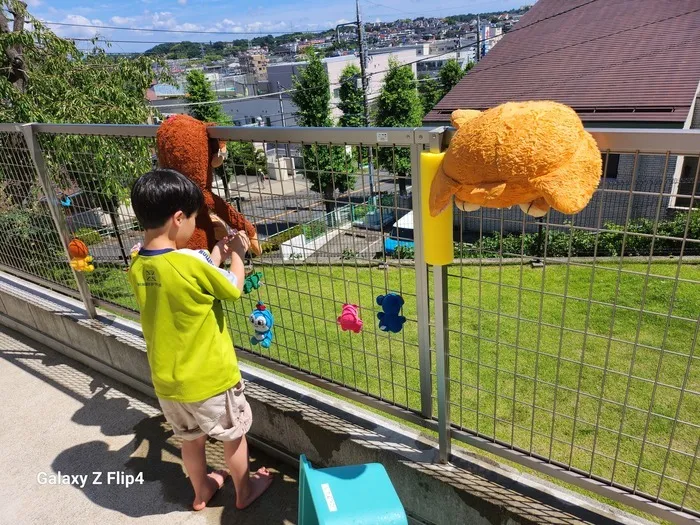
{"x": 238, "y": 243}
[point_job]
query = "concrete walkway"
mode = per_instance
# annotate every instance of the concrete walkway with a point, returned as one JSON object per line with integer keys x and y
{"x": 59, "y": 416}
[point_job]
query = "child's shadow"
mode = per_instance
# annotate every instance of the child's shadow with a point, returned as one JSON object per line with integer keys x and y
{"x": 145, "y": 455}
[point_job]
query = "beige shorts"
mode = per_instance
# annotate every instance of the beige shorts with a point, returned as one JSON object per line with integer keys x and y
{"x": 226, "y": 416}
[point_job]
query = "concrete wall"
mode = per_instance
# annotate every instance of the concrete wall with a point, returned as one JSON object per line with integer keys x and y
{"x": 241, "y": 111}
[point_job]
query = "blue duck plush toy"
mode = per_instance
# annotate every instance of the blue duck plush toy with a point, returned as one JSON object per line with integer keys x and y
{"x": 389, "y": 319}
{"x": 262, "y": 322}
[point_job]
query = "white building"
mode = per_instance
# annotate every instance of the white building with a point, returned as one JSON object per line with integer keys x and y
{"x": 280, "y": 75}
{"x": 490, "y": 36}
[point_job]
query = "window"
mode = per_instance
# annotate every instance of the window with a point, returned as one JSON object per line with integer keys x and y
{"x": 612, "y": 165}
{"x": 687, "y": 182}
{"x": 336, "y": 93}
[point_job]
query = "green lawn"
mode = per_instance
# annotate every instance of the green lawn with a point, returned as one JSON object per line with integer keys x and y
{"x": 607, "y": 377}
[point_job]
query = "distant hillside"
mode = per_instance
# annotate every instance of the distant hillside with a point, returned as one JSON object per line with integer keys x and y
{"x": 221, "y": 49}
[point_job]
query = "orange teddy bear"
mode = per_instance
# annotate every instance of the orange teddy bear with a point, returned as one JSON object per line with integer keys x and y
{"x": 184, "y": 145}
{"x": 533, "y": 154}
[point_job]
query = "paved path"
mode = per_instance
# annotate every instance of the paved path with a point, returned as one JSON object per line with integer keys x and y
{"x": 61, "y": 416}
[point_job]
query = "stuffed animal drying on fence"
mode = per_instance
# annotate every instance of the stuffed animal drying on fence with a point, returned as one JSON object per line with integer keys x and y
{"x": 389, "y": 318}
{"x": 184, "y": 145}
{"x": 262, "y": 321}
{"x": 533, "y": 154}
{"x": 80, "y": 258}
{"x": 350, "y": 318}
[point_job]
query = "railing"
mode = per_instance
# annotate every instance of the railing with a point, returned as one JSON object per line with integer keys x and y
{"x": 566, "y": 344}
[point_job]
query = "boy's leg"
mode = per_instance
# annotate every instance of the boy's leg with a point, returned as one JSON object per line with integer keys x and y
{"x": 204, "y": 485}
{"x": 249, "y": 486}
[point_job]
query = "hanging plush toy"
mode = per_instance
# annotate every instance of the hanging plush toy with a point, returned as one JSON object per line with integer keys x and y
{"x": 350, "y": 318}
{"x": 252, "y": 282}
{"x": 262, "y": 322}
{"x": 389, "y": 318}
{"x": 532, "y": 154}
{"x": 184, "y": 145}
{"x": 80, "y": 258}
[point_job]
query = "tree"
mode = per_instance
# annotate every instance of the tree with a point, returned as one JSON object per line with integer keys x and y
{"x": 450, "y": 75}
{"x": 327, "y": 167}
{"x": 351, "y": 98}
{"x": 199, "y": 91}
{"x": 429, "y": 91}
{"x": 51, "y": 80}
{"x": 398, "y": 106}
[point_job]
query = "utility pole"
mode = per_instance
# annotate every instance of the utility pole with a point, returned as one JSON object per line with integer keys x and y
{"x": 365, "y": 84}
{"x": 478, "y": 38}
{"x": 365, "y": 89}
{"x": 279, "y": 88}
{"x": 284, "y": 122}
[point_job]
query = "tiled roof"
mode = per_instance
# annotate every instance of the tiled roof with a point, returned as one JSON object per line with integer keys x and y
{"x": 611, "y": 60}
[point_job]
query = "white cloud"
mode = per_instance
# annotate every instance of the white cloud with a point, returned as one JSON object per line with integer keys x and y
{"x": 188, "y": 27}
{"x": 122, "y": 20}
{"x": 33, "y": 3}
{"x": 182, "y": 2}
{"x": 78, "y": 31}
{"x": 163, "y": 20}
{"x": 263, "y": 27}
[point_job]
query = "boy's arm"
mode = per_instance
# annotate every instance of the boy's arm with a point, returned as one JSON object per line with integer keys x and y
{"x": 215, "y": 281}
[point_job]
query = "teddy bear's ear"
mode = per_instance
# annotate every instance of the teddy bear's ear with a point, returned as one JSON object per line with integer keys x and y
{"x": 462, "y": 116}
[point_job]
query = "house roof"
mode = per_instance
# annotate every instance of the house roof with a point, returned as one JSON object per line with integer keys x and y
{"x": 611, "y": 60}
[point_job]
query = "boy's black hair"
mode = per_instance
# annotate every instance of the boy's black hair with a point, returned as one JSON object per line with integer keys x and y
{"x": 159, "y": 194}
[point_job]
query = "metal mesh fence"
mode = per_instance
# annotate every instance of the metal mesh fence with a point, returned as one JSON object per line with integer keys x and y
{"x": 95, "y": 173}
{"x": 572, "y": 339}
{"x": 29, "y": 244}
{"x": 323, "y": 219}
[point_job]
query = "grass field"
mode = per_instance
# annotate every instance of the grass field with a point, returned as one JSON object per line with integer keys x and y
{"x": 605, "y": 385}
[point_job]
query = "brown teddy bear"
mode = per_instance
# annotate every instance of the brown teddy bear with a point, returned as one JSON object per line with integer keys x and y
{"x": 184, "y": 145}
{"x": 533, "y": 154}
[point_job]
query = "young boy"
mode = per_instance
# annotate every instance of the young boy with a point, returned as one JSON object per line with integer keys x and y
{"x": 193, "y": 364}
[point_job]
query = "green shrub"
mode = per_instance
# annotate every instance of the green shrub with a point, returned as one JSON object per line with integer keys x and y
{"x": 314, "y": 229}
{"x": 273, "y": 243}
{"x": 582, "y": 243}
{"x": 403, "y": 252}
{"x": 88, "y": 236}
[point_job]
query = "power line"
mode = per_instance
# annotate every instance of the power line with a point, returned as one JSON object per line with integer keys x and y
{"x": 181, "y": 31}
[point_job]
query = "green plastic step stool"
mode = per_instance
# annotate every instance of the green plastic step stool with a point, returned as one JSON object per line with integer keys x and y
{"x": 355, "y": 494}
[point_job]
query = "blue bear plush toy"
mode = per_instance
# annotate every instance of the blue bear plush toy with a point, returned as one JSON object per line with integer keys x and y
{"x": 389, "y": 319}
{"x": 262, "y": 322}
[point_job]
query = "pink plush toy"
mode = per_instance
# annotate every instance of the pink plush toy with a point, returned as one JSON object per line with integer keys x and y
{"x": 350, "y": 318}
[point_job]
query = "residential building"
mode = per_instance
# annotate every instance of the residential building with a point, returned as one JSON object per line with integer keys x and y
{"x": 597, "y": 60}
{"x": 490, "y": 36}
{"x": 280, "y": 76}
{"x": 462, "y": 49}
{"x": 255, "y": 63}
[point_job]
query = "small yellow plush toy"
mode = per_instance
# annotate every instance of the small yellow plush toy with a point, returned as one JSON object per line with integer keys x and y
{"x": 533, "y": 154}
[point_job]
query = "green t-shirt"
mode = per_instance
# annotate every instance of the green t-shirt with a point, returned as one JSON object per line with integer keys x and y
{"x": 179, "y": 294}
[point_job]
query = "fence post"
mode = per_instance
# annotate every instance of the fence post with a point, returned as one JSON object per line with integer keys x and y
{"x": 422, "y": 294}
{"x": 442, "y": 339}
{"x": 56, "y": 213}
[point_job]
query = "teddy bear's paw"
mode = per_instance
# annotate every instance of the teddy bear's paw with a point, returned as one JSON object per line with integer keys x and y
{"x": 466, "y": 206}
{"x": 533, "y": 210}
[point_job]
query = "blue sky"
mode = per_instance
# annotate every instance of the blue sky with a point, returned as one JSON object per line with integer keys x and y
{"x": 237, "y": 17}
